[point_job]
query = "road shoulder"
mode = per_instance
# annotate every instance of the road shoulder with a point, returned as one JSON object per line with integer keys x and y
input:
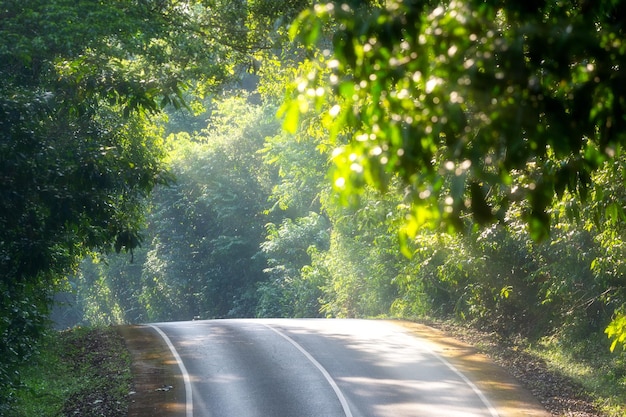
{"x": 504, "y": 392}
{"x": 158, "y": 384}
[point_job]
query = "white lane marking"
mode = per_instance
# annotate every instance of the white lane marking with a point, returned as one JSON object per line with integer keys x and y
{"x": 477, "y": 391}
{"x": 331, "y": 381}
{"x": 183, "y": 371}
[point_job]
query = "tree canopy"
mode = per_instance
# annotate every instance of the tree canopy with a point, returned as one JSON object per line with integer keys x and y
{"x": 488, "y": 111}
{"x": 477, "y": 105}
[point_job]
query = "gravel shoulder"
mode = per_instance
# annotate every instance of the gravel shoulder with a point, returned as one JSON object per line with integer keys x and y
{"x": 158, "y": 387}
{"x": 507, "y": 395}
{"x": 558, "y": 394}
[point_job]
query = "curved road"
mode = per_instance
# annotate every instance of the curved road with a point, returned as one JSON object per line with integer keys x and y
{"x": 316, "y": 368}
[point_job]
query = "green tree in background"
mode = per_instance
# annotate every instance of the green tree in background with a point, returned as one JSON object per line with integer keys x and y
{"x": 298, "y": 200}
{"x": 363, "y": 259}
{"x": 206, "y": 230}
{"x": 324, "y": 259}
{"x": 289, "y": 291}
{"x": 201, "y": 255}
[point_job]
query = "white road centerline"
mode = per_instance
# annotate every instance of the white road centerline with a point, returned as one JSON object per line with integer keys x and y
{"x": 331, "y": 381}
{"x": 183, "y": 371}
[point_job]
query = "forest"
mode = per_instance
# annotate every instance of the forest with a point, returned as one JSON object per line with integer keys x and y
{"x": 179, "y": 159}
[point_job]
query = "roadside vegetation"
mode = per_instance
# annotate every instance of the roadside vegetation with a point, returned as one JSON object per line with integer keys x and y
{"x": 78, "y": 372}
{"x": 600, "y": 374}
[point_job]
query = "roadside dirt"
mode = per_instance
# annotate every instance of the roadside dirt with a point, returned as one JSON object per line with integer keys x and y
{"x": 157, "y": 384}
{"x": 558, "y": 394}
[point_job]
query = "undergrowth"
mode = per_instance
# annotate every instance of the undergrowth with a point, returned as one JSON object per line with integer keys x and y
{"x": 591, "y": 364}
{"x": 83, "y": 371}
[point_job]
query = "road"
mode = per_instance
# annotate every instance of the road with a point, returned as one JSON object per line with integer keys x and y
{"x": 316, "y": 368}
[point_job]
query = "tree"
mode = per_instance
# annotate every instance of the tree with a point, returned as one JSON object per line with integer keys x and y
{"x": 474, "y": 104}
{"x": 289, "y": 291}
{"x": 363, "y": 260}
{"x": 81, "y": 82}
{"x": 482, "y": 108}
{"x": 204, "y": 256}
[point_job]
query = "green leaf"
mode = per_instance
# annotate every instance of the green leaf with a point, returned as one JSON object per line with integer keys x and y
{"x": 616, "y": 330}
{"x": 291, "y": 117}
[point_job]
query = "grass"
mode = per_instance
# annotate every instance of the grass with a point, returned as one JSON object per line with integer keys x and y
{"x": 83, "y": 371}
{"x": 45, "y": 382}
{"x": 590, "y": 363}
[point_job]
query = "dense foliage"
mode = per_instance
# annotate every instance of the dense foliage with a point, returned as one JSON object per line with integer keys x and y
{"x": 489, "y": 112}
{"x": 477, "y": 105}
{"x": 203, "y": 258}
{"x": 79, "y": 151}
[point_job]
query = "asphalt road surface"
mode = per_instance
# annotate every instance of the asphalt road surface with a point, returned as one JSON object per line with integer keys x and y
{"x": 316, "y": 368}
